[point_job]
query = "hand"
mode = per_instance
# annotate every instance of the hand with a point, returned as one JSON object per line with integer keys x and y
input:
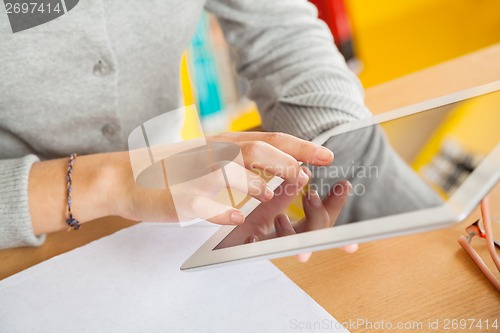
{"x": 273, "y": 154}
{"x": 103, "y": 184}
{"x": 268, "y": 221}
{"x": 318, "y": 215}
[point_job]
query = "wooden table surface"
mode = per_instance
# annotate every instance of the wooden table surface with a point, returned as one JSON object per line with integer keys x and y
{"x": 414, "y": 280}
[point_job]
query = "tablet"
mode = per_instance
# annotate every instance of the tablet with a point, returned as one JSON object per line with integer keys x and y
{"x": 418, "y": 168}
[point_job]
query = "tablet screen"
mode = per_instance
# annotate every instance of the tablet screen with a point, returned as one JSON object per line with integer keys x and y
{"x": 402, "y": 165}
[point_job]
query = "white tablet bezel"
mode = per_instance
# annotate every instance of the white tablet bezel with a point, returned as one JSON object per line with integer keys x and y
{"x": 459, "y": 206}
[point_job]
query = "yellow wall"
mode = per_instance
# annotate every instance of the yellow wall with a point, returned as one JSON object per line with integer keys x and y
{"x": 397, "y": 37}
{"x": 472, "y": 124}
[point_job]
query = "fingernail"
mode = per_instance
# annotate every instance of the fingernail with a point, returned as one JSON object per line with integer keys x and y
{"x": 303, "y": 178}
{"x": 323, "y": 155}
{"x": 304, "y": 257}
{"x": 281, "y": 220}
{"x": 237, "y": 217}
{"x": 340, "y": 190}
{"x": 251, "y": 239}
{"x": 268, "y": 193}
{"x": 351, "y": 248}
{"x": 306, "y": 170}
{"x": 314, "y": 198}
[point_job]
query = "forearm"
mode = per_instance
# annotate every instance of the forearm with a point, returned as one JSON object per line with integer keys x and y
{"x": 47, "y": 192}
{"x": 102, "y": 185}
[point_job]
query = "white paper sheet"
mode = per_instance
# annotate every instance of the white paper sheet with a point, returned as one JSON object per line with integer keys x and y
{"x": 131, "y": 282}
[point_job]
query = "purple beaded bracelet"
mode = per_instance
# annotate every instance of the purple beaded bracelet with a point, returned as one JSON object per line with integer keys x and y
{"x": 70, "y": 221}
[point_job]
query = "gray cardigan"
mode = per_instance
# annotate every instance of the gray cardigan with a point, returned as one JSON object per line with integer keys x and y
{"x": 82, "y": 82}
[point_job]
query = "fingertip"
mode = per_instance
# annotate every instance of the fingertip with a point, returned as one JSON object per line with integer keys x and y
{"x": 251, "y": 239}
{"x": 268, "y": 194}
{"x": 314, "y": 199}
{"x": 303, "y": 178}
{"x": 281, "y": 221}
{"x": 304, "y": 257}
{"x": 341, "y": 188}
{"x": 307, "y": 171}
{"x": 323, "y": 156}
{"x": 237, "y": 217}
{"x": 283, "y": 226}
{"x": 351, "y": 248}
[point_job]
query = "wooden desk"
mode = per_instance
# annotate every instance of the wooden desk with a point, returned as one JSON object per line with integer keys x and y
{"x": 406, "y": 279}
{"x": 409, "y": 279}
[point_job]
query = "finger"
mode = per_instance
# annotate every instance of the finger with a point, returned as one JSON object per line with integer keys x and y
{"x": 264, "y": 215}
{"x": 214, "y": 211}
{"x": 258, "y": 188}
{"x": 283, "y": 196}
{"x": 283, "y": 226}
{"x": 229, "y": 217}
{"x": 351, "y": 248}
{"x": 251, "y": 239}
{"x": 248, "y": 182}
{"x": 316, "y": 215}
{"x": 303, "y": 257}
{"x": 235, "y": 177}
{"x": 301, "y": 150}
{"x": 336, "y": 199}
{"x": 307, "y": 171}
{"x": 263, "y": 156}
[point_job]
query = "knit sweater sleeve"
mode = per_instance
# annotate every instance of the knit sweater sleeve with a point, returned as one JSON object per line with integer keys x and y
{"x": 297, "y": 77}
{"x": 15, "y": 220}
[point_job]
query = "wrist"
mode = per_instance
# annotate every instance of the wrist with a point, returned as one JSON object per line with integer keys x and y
{"x": 93, "y": 179}
{"x": 115, "y": 191}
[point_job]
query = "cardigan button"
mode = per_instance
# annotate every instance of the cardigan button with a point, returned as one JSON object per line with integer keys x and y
{"x": 101, "y": 68}
{"x": 109, "y": 130}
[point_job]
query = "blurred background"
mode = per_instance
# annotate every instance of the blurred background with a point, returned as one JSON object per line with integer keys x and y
{"x": 381, "y": 41}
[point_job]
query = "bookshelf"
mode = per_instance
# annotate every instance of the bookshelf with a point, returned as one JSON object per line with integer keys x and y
{"x": 390, "y": 41}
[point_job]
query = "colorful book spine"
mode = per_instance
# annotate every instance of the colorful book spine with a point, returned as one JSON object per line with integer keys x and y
{"x": 207, "y": 85}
